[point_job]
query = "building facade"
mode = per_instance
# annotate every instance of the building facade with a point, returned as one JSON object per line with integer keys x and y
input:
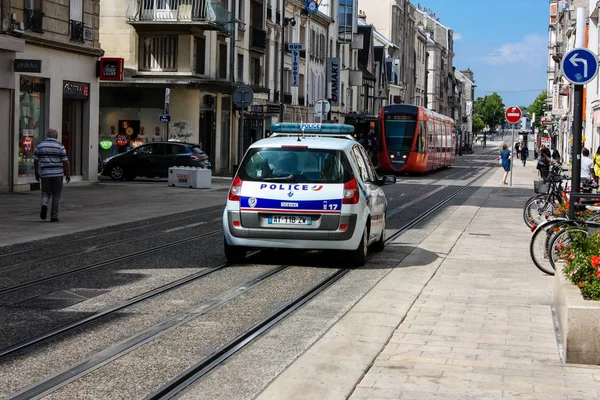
{"x": 53, "y": 49}
{"x": 466, "y": 98}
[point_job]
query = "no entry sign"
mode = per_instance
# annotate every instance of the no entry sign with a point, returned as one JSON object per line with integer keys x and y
{"x": 513, "y": 114}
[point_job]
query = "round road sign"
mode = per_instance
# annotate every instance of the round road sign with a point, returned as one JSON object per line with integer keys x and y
{"x": 322, "y": 107}
{"x": 513, "y": 114}
{"x": 243, "y": 96}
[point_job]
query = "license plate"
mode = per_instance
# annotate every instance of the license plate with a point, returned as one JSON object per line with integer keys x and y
{"x": 289, "y": 220}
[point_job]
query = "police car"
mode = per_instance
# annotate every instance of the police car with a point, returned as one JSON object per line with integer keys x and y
{"x": 308, "y": 186}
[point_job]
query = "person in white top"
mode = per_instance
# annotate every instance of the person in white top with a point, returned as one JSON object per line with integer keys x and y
{"x": 587, "y": 165}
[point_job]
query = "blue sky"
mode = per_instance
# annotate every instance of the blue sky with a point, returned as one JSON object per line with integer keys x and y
{"x": 504, "y": 42}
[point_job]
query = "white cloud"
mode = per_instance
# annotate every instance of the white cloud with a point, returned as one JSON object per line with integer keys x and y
{"x": 531, "y": 49}
{"x": 458, "y": 36}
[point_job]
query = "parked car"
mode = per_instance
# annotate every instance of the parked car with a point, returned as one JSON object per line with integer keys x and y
{"x": 153, "y": 160}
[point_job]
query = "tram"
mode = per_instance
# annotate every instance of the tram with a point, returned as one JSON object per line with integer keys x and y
{"x": 414, "y": 139}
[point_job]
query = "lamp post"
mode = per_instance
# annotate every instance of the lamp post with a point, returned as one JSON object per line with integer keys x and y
{"x": 284, "y": 22}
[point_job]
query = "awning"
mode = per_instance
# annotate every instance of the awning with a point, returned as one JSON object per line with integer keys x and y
{"x": 221, "y": 86}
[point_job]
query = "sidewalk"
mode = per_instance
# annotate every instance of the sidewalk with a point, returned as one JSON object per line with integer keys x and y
{"x": 90, "y": 206}
{"x": 476, "y": 323}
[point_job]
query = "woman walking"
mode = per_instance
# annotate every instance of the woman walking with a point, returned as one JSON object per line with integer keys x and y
{"x": 505, "y": 157}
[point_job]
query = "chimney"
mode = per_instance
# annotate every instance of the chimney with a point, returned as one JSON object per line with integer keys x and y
{"x": 362, "y": 15}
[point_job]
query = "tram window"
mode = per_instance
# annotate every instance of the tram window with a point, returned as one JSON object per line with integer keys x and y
{"x": 422, "y": 137}
{"x": 438, "y": 137}
{"x": 430, "y": 141}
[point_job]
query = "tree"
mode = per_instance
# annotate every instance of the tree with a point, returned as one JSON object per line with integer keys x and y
{"x": 478, "y": 123}
{"x": 538, "y": 107}
{"x": 490, "y": 109}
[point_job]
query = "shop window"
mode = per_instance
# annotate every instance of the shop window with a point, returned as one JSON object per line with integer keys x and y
{"x": 32, "y": 123}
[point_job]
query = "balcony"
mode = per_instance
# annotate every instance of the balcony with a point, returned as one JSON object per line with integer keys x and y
{"x": 175, "y": 14}
{"x": 76, "y": 31}
{"x": 258, "y": 40}
{"x": 34, "y": 20}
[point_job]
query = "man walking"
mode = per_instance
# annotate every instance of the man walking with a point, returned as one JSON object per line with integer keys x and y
{"x": 51, "y": 164}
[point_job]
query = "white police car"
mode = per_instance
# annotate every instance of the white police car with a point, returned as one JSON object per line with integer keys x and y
{"x": 308, "y": 186}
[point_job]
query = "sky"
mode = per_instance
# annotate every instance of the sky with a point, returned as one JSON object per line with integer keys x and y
{"x": 504, "y": 42}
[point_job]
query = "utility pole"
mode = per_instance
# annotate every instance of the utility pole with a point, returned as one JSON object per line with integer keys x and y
{"x": 283, "y": 24}
{"x": 232, "y": 43}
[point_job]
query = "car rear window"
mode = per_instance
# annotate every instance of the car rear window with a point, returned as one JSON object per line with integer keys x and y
{"x": 197, "y": 150}
{"x": 295, "y": 165}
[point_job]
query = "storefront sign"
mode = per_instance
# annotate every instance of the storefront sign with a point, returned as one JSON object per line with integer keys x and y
{"x": 333, "y": 81}
{"x": 121, "y": 139}
{"x": 76, "y": 90}
{"x": 27, "y": 143}
{"x": 106, "y": 142}
{"x": 30, "y": 66}
{"x": 110, "y": 69}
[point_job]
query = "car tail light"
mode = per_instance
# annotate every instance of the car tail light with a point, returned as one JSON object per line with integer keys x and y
{"x": 198, "y": 157}
{"x": 350, "y": 192}
{"x": 236, "y": 188}
{"x": 343, "y": 227}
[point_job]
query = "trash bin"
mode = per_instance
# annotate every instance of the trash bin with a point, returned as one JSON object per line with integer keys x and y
{"x": 192, "y": 177}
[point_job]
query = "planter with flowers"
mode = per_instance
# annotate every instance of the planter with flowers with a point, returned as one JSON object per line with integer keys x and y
{"x": 577, "y": 298}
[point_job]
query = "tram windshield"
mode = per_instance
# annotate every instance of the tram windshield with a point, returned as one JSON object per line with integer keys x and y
{"x": 399, "y": 132}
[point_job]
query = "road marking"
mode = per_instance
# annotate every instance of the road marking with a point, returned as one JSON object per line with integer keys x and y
{"x": 185, "y": 227}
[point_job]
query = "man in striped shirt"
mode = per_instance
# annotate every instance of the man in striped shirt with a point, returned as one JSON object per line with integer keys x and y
{"x": 51, "y": 164}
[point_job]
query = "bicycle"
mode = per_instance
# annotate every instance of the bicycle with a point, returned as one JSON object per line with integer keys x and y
{"x": 550, "y": 192}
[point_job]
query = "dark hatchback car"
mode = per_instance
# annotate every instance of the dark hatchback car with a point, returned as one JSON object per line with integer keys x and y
{"x": 153, "y": 160}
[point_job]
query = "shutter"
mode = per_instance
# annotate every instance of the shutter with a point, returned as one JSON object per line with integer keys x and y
{"x": 76, "y": 10}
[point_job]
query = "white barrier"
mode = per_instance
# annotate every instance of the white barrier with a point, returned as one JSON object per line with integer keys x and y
{"x": 192, "y": 177}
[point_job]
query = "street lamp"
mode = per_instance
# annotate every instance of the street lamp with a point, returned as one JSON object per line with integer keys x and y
{"x": 284, "y": 22}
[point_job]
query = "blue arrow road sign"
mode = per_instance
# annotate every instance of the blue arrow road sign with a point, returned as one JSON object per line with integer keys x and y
{"x": 580, "y": 66}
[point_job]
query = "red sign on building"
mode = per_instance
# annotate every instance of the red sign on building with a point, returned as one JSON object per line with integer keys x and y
{"x": 513, "y": 114}
{"x": 110, "y": 69}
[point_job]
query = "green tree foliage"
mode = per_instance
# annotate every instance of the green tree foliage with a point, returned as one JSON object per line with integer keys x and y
{"x": 490, "y": 109}
{"x": 538, "y": 107}
{"x": 478, "y": 123}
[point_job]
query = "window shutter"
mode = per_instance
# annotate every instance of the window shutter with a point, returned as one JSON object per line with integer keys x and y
{"x": 76, "y": 10}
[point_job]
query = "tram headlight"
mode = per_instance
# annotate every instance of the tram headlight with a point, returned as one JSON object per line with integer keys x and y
{"x": 404, "y": 156}
{"x": 392, "y": 156}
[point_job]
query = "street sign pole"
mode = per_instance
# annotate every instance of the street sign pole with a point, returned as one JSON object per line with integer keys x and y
{"x": 512, "y": 154}
{"x": 322, "y": 112}
{"x": 577, "y": 115}
{"x": 241, "y": 138}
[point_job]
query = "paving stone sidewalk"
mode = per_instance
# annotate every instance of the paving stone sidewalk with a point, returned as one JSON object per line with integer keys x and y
{"x": 476, "y": 323}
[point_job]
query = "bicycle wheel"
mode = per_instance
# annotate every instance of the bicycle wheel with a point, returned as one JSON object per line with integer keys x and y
{"x": 538, "y": 211}
{"x": 559, "y": 240}
{"x": 539, "y": 245}
{"x": 525, "y": 207}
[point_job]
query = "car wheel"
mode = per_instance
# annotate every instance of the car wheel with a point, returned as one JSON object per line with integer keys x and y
{"x": 116, "y": 172}
{"x": 379, "y": 245}
{"x": 234, "y": 253}
{"x": 358, "y": 257}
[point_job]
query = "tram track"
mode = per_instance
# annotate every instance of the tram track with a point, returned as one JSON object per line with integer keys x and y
{"x": 115, "y": 260}
{"x": 197, "y": 371}
{"x": 95, "y": 247}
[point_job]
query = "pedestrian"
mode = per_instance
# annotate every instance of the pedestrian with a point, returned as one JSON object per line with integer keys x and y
{"x": 505, "y": 157}
{"x": 596, "y": 160}
{"x": 556, "y": 157}
{"x": 51, "y": 164}
{"x": 587, "y": 167}
{"x": 524, "y": 154}
{"x": 543, "y": 164}
{"x": 518, "y": 149}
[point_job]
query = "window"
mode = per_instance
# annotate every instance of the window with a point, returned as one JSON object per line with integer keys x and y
{"x": 240, "y": 68}
{"x": 255, "y": 71}
{"x": 345, "y": 19}
{"x": 158, "y": 53}
{"x": 422, "y": 138}
{"x": 223, "y": 61}
{"x": 149, "y": 149}
{"x": 370, "y": 168}
{"x": 34, "y": 16}
{"x": 76, "y": 20}
{"x": 200, "y": 54}
{"x": 399, "y": 132}
{"x": 361, "y": 164}
{"x": 306, "y": 166}
{"x": 32, "y": 123}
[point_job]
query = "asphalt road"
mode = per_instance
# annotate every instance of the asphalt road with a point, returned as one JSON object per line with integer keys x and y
{"x": 133, "y": 374}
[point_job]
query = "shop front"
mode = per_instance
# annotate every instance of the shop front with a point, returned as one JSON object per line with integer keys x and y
{"x": 55, "y": 90}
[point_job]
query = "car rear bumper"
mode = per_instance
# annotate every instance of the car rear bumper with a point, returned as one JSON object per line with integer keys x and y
{"x": 309, "y": 239}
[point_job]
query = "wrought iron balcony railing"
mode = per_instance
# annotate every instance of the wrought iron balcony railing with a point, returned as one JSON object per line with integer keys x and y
{"x": 34, "y": 20}
{"x": 258, "y": 39}
{"x": 205, "y": 12}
